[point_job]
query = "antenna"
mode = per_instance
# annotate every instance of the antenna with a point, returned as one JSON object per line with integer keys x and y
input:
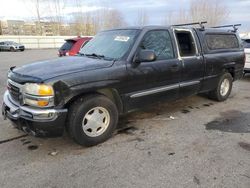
{"x": 201, "y": 24}
{"x": 234, "y": 26}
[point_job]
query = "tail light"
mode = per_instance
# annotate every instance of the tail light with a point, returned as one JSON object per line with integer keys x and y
{"x": 71, "y": 53}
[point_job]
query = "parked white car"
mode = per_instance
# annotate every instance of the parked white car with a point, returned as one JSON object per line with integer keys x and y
{"x": 11, "y": 46}
{"x": 246, "y": 44}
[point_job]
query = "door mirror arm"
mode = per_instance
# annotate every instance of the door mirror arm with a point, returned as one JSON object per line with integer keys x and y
{"x": 144, "y": 56}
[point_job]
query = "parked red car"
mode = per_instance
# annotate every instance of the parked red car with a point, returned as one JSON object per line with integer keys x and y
{"x": 72, "y": 46}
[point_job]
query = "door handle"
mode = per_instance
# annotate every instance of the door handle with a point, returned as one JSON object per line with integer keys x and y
{"x": 175, "y": 67}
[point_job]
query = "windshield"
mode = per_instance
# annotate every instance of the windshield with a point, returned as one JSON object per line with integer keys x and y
{"x": 110, "y": 44}
{"x": 11, "y": 42}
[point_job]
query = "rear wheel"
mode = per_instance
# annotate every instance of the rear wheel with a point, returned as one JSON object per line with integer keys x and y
{"x": 223, "y": 89}
{"x": 92, "y": 120}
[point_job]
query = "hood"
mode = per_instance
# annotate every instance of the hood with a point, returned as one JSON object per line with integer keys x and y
{"x": 44, "y": 70}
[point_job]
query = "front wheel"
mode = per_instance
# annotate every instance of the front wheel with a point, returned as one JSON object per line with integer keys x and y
{"x": 92, "y": 120}
{"x": 223, "y": 89}
{"x": 12, "y": 49}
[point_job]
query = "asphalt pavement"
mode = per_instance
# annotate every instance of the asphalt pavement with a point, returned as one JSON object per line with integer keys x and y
{"x": 192, "y": 142}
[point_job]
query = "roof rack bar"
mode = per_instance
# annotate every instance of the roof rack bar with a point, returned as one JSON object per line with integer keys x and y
{"x": 234, "y": 26}
{"x": 194, "y": 23}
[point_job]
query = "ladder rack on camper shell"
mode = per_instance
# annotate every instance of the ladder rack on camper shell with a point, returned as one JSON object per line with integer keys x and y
{"x": 201, "y": 24}
{"x": 234, "y": 26}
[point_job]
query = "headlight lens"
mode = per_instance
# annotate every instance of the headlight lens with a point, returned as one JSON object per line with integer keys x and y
{"x": 38, "y": 89}
{"x": 39, "y": 95}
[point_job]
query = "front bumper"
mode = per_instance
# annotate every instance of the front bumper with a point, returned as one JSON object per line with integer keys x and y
{"x": 38, "y": 122}
{"x": 247, "y": 67}
{"x": 20, "y": 48}
{"x": 247, "y": 70}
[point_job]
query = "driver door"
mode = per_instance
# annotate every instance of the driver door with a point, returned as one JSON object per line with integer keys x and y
{"x": 157, "y": 80}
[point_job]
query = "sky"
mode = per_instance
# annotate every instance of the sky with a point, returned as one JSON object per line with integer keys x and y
{"x": 239, "y": 10}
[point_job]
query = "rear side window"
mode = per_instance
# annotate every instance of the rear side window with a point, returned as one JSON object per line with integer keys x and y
{"x": 219, "y": 41}
{"x": 160, "y": 43}
{"x": 67, "y": 45}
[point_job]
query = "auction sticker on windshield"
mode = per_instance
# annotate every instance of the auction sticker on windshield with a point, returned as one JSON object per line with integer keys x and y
{"x": 122, "y": 38}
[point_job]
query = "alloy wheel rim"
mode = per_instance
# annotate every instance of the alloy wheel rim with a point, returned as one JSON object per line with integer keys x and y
{"x": 96, "y": 121}
{"x": 225, "y": 85}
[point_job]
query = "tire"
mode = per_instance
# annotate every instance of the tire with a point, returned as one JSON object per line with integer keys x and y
{"x": 218, "y": 93}
{"x": 86, "y": 131}
{"x": 22, "y": 50}
{"x": 12, "y": 49}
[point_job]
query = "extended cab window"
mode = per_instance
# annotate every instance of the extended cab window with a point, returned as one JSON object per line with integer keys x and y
{"x": 186, "y": 43}
{"x": 220, "y": 41}
{"x": 160, "y": 43}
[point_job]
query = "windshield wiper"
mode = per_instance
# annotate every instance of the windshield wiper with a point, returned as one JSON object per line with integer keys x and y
{"x": 95, "y": 55}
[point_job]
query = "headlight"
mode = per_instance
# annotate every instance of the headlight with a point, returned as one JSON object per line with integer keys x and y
{"x": 38, "y": 89}
{"x": 39, "y": 95}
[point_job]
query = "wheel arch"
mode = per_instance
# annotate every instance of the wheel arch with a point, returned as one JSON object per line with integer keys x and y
{"x": 230, "y": 68}
{"x": 110, "y": 93}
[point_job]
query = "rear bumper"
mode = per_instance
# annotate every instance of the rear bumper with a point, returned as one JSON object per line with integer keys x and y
{"x": 38, "y": 122}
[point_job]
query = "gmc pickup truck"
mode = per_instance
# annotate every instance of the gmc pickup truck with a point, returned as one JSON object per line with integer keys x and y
{"x": 118, "y": 71}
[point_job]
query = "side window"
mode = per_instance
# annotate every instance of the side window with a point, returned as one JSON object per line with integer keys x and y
{"x": 220, "y": 41}
{"x": 186, "y": 43}
{"x": 1, "y": 43}
{"x": 160, "y": 42}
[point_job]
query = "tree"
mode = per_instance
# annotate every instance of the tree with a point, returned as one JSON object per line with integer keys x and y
{"x": 36, "y": 9}
{"x": 214, "y": 12}
{"x": 142, "y": 18}
{"x": 112, "y": 18}
{"x": 85, "y": 23}
{"x": 1, "y": 31}
{"x": 56, "y": 16}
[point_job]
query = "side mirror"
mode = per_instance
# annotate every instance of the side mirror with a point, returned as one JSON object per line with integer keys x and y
{"x": 145, "y": 56}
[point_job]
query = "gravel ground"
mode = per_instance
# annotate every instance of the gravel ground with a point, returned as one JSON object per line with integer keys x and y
{"x": 193, "y": 142}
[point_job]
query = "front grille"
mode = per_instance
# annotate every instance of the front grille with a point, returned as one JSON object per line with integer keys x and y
{"x": 14, "y": 90}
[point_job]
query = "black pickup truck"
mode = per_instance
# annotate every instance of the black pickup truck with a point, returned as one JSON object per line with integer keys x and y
{"x": 118, "y": 71}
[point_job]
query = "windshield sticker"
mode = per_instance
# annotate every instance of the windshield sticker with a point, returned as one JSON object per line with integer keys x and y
{"x": 122, "y": 38}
